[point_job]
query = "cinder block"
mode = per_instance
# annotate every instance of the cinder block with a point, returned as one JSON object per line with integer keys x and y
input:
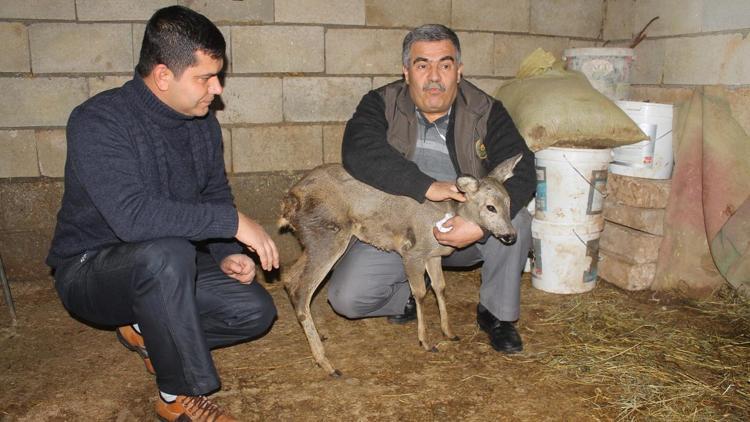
{"x": 246, "y": 11}
{"x": 661, "y": 95}
{"x": 649, "y": 62}
{"x": 625, "y": 275}
{"x": 226, "y": 137}
{"x": 510, "y": 50}
{"x": 274, "y": 148}
{"x": 575, "y": 18}
{"x": 38, "y": 9}
{"x": 99, "y": 84}
{"x": 332, "y": 137}
{"x": 491, "y": 15}
{"x": 51, "y": 147}
{"x": 648, "y": 220}
{"x": 618, "y": 21}
{"x": 259, "y": 194}
{"x": 675, "y": 16}
{"x": 379, "y": 81}
{"x": 119, "y": 10}
{"x": 629, "y": 244}
{"x": 18, "y": 158}
{"x": 29, "y": 204}
{"x": 720, "y": 15}
{"x": 40, "y": 101}
{"x": 251, "y": 100}
{"x": 14, "y": 47}
{"x": 24, "y": 254}
{"x": 582, "y": 44}
{"x": 68, "y": 47}
{"x": 259, "y": 49}
{"x": 707, "y": 60}
{"x": 368, "y": 51}
{"x": 139, "y": 30}
{"x": 322, "y": 99}
{"x": 638, "y": 192}
{"x": 476, "y": 53}
{"x": 397, "y": 13}
{"x": 490, "y": 86}
{"x": 339, "y": 12}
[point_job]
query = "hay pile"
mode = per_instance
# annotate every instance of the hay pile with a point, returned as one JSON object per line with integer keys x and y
{"x": 653, "y": 362}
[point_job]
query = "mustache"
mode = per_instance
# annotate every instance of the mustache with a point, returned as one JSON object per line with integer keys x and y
{"x": 433, "y": 85}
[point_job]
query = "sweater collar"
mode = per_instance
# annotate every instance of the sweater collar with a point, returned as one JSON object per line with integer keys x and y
{"x": 158, "y": 111}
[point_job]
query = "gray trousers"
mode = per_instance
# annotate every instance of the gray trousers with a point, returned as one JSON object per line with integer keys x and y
{"x": 368, "y": 282}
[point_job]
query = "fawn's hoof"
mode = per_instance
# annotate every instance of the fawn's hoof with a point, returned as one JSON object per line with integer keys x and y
{"x": 455, "y": 338}
{"x": 336, "y": 374}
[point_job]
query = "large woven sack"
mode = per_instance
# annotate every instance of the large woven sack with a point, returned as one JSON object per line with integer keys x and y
{"x": 555, "y": 107}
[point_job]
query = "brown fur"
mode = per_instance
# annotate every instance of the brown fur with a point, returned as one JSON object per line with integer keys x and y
{"x": 327, "y": 207}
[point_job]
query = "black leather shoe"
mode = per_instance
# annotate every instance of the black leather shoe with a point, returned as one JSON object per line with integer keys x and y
{"x": 410, "y": 309}
{"x": 503, "y": 334}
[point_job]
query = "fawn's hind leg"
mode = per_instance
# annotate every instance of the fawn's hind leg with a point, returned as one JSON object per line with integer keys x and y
{"x": 415, "y": 272}
{"x": 304, "y": 278}
{"x": 435, "y": 270}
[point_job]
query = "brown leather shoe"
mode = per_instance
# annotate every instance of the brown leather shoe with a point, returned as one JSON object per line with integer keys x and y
{"x": 187, "y": 409}
{"x": 134, "y": 342}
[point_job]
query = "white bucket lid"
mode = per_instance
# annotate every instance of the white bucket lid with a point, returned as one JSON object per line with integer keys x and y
{"x": 598, "y": 51}
{"x": 660, "y": 109}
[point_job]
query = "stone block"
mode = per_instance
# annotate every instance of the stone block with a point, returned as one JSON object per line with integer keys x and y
{"x": 259, "y": 49}
{"x": 638, "y": 192}
{"x": 582, "y": 43}
{"x": 338, "y": 12}
{"x": 322, "y": 99}
{"x": 397, "y": 13}
{"x": 648, "y": 64}
{"x": 38, "y": 9}
{"x": 333, "y": 135}
{"x": 661, "y": 95}
{"x": 18, "y": 158}
{"x": 675, "y": 17}
{"x": 629, "y": 244}
{"x": 246, "y": 11}
{"x": 139, "y": 30}
{"x": 29, "y": 204}
{"x": 490, "y": 15}
{"x": 99, "y": 84}
{"x": 118, "y": 10}
{"x": 510, "y": 50}
{"x": 24, "y": 254}
{"x": 40, "y": 101}
{"x": 647, "y": 220}
{"x": 364, "y": 51}
{"x": 476, "y": 53}
{"x": 272, "y": 148}
{"x": 259, "y": 194}
{"x": 721, "y": 15}
{"x": 52, "y": 148}
{"x": 575, "y": 18}
{"x": 379, "y": 81}
{"x": 226, "y": 137}
{"x": 707, "y": 60}
{"x": 625, "y": 275}
{"x": 14, "y": 47}
{"x": 69, "y": 47}
{"x": 251, "y": 100}
{"x": 618, "y": 21}
{"x": 490, "y": 86}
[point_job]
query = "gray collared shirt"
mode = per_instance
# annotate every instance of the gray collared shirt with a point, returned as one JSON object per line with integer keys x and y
{"x": 431, "y": 153}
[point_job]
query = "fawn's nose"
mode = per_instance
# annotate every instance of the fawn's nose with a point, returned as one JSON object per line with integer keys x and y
{"x": 508, "y": 239}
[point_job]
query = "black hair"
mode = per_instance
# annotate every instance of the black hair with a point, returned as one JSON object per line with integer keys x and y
{"x": 173, "y": 35}
{"x": 429, "y": 32}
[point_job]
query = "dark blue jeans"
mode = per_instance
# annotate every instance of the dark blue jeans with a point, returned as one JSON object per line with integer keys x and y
{"x": 182, "y": 301}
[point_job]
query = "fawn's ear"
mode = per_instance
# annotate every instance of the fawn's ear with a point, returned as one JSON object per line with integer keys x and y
{"x": 504, "y": 170}
{"x": 467, "y": 184}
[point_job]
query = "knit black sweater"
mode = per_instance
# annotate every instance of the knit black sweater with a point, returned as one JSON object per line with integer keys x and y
{"x": 137, "y": 170}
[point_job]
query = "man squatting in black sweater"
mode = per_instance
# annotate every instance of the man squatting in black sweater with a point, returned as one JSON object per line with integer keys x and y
{"x": 148, "y": 238}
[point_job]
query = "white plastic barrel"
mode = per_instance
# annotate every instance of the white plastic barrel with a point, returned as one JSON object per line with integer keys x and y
{"x": 627, "y": 162}
{"x": 570, "y": 185}
{"x": 566, "y": 257}
{"x": 607, "y": 69}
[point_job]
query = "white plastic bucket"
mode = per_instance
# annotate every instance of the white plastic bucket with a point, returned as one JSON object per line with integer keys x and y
{"x": 570, "y": 185}
{"x": 626, "y": 163}
{"x": 566, "y": 257}
{"x": 607, "y": 69}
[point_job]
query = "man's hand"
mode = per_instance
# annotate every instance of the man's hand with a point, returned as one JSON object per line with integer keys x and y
{"x": 240, "y": 267}
{"x": 254, "y": 237}
{"x": 443, "y": 191}
{"x": 463, "y": 234}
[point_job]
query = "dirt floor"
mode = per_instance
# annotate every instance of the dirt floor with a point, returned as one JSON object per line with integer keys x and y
{"x": 603, "y": 355}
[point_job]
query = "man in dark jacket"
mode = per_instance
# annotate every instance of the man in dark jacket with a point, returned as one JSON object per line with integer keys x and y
{"x": 414, "y": 137}
{"x": 147, "y": 238}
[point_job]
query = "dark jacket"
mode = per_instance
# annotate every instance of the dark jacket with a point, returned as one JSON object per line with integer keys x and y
{"x": 119, "y": 177}
{"x": 380, "y": 139}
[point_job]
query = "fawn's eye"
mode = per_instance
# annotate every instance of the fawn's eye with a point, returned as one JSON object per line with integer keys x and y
{"x": 492, "y": 209}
